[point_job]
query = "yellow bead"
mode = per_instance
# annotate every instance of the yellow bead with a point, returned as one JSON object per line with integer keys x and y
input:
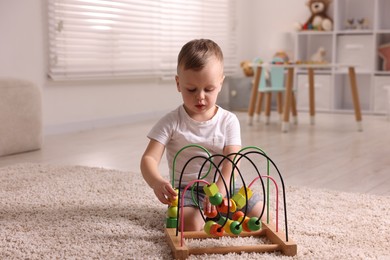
{"x": 211, "y": 189}
{"x": 240, "y": 200}
{"x": 227, "y": 226}
{"x": 174, "y": 202}
{"x": 249, "y": 192}
{"x": 233, "y": 206}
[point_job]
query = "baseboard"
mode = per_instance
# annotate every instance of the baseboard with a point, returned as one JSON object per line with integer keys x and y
{"x": 100, "y": 123}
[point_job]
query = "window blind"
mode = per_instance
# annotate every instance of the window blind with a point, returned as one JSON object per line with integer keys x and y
{"x": 132, "y": 38}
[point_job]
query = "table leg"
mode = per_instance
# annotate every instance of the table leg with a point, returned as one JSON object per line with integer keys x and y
{"x": 355, "y": 97}
{"x": 310, "y": 73}
{"x": 252, "y": 101}
{"x": 288, "y": 99}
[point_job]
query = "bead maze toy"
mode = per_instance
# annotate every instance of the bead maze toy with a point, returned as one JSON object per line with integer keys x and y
{"x": 235, "y": 205}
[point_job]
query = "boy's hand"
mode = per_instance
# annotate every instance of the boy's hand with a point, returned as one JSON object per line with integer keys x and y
{"x": 208, "y": 208}
{"x": 164, "y": 192}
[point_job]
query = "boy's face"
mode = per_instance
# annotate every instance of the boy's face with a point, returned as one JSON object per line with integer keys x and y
{"x": 200, "y": 89}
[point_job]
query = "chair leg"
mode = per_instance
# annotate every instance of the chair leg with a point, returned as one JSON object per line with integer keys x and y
{"x": 294, "y": 109}
{"x": 268, "y": 107}
{"x": 280, "y": 105}
{"x": 259, "y": 104}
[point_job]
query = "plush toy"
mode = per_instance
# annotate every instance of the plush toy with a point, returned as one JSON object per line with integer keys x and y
{"x": 318, "y": 20}
{"x": 319, "y": 56}
{"x": 247, "y": 68}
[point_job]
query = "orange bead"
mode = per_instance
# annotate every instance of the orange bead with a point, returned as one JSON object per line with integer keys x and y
{"x": 237, "y": 215}
{"x": 223, "y": 207}
{"x": 212, "y": 214}
{"x": 208, "y": 226}
{"x": 245, "y": 225}
{"x": 216, "y": 230}
{"x": 233, "y": 206}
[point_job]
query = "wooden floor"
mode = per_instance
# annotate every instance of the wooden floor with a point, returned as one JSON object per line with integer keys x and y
{"x": 331, "y": 154}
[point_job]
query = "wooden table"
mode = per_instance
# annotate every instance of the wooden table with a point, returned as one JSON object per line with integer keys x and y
{"x": 289, "y": 90}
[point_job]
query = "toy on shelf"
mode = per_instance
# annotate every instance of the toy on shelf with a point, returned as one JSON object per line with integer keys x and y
{"x": 356, "y": 24}
{"x": 319, "y": 56}
{"x": 230, "y": 217}
{"x": 384, "y": 53}
{"x": 318, "y": 20}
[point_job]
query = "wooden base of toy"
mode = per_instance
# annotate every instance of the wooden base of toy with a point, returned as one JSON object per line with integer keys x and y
{"x": 277, "y": 239}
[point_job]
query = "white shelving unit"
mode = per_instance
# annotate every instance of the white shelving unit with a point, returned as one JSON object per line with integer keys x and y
{"x": 343, "y": 45}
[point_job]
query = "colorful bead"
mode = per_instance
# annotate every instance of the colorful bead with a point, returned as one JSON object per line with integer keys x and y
{"x": 233, "y": 206}
{"x": 240, "y": 200}
{"x": 216, "y": 199}
{"x": 227, "y": 226}
{"x": 237, "y": 215}
{"x": 245, "y": 225}
{"x": 235, "y": 227}
{"x": 221, "y": 220}
{"x": 223, "y": 207}
{"x": 211, "y": 189}
{"x": 248, "y": 191}
{"x": 171, "y": 223}
{"x": 212, "y": 214}
{"x": 216, "y": 230}
{"x": 174, "y": 202}
{"x": 254, "y": 224}
{"x": 207, "y": 226}
{"x": 172, "y": 212}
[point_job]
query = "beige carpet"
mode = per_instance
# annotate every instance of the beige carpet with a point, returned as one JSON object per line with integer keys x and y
{"x": 74, "y": 212}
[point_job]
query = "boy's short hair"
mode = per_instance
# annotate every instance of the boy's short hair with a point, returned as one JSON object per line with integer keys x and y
{"x": 194, "y": 54}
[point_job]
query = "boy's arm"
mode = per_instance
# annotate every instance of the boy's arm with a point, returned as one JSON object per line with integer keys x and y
{"x": 150, "y": 162}
{"x": 227, "y": 167}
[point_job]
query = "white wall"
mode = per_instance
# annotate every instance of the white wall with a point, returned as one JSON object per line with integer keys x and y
{"x": 80, "y": 105}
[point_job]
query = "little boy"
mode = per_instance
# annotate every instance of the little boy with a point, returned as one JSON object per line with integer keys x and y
{"x": 198, "y": 121}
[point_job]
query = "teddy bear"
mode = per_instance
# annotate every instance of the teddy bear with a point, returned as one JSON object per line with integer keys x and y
{"x": 318, "y": 20}
{"x": 247, "y": 68}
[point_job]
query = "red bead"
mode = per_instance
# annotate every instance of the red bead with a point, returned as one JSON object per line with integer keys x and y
{"x": 237, "y": 215}
{"x": 216, "y": 230}
{"x": 207, "y": 226}
{"x": 223, "y": 207}
{"x": 212, "y": 214}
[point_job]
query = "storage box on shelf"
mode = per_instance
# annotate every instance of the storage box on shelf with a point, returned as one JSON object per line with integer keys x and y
{"x": 361, "y": 27}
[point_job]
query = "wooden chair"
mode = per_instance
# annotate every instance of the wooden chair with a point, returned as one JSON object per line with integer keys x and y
{"x": 273, "y": 83}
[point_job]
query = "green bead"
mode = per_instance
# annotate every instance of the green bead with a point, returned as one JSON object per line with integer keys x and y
{"x": 207, "y": 226}
{"x": 216, "y": 199}
{"x": 221, "y": 220}
{"x": 254, "y": 224}
{"x": 171, "y": 223}
{"x": 235, "y": 228}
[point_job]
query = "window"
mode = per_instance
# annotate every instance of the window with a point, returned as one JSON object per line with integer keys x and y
{"x": 129, "y": 38}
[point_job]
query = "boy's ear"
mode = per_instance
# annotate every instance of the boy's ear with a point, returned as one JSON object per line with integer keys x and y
{"x": 177, "y": 83}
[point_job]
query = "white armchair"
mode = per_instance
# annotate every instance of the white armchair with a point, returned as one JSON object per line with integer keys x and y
{"x": 20, "y": 116}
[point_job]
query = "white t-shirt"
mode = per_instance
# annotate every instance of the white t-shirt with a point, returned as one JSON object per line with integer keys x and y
{"x": 177, "y": 130}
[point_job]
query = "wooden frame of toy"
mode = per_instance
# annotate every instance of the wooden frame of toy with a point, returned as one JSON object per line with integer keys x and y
{"x": 218, "y": 223}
